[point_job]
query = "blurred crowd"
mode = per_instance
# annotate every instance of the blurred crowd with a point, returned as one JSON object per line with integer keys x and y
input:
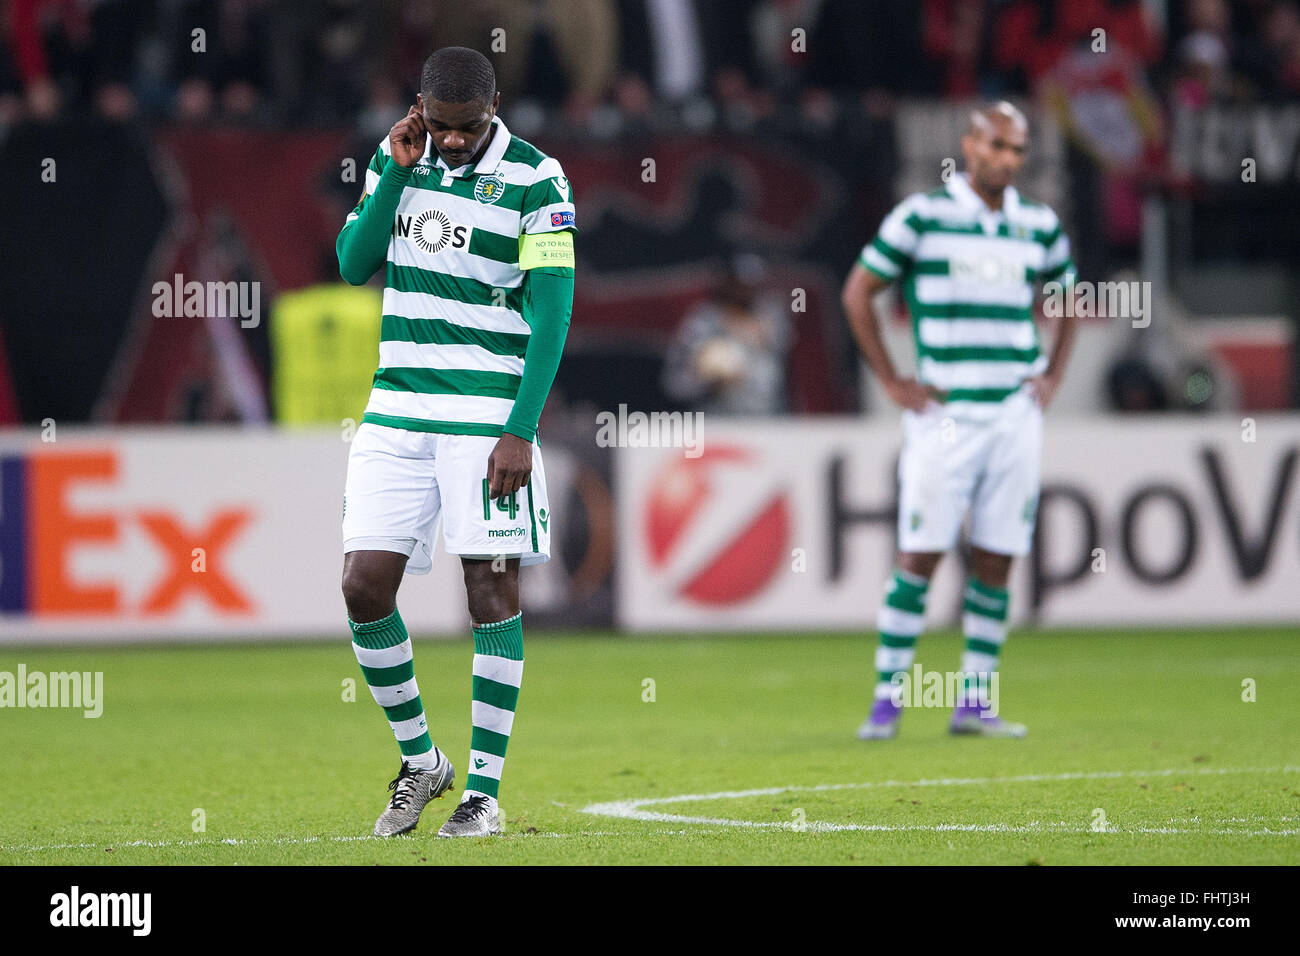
{"x": 823, "y": 76}
{"x": 604, "y": 66}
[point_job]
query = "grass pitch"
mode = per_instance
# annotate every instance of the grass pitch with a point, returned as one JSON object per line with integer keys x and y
{"x": 1141, "y": 750}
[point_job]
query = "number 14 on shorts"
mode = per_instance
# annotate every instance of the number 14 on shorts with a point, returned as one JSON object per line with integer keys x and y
{"x": 507, "y": 503}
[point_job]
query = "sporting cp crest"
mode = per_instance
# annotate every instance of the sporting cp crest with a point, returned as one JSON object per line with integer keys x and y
{"x": 488, "y": 189}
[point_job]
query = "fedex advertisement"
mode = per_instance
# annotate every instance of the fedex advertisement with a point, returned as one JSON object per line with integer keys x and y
{"x": 184, "y": 533}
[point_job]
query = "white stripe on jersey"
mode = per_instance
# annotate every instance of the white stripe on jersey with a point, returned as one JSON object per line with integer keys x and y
{"x": 873, "y": 258}
{"x": 446, "y": 408}
{"x": 1012, "y": 255}
{"x": 394, "y": 354}
{"x": 456, "y": 262}
{"x": 491, "y": 218}
{"x": 419, "y": 306}
{"x": 975, "y": 374}
{"x": 996, "y": 333}
{"x": 941, "y": 290}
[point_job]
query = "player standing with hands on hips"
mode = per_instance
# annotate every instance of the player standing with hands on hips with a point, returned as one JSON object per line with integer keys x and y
{"x": 474, "y": 230}
{"x": 969, "y": 256}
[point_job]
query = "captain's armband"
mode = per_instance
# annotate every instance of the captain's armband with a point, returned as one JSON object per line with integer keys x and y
{"x": 546, "y": 249}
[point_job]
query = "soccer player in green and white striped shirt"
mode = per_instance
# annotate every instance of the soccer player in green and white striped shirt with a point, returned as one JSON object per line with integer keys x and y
{"x": 969, "y": 256}
{"x": 473, "y": 228}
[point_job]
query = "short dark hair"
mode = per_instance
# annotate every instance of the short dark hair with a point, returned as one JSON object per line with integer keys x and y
{"x": 457, "y": 74}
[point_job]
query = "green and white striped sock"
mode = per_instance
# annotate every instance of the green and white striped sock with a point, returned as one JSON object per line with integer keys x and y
{"x": 498, "y": 670}
{"x": 383, "y": 650}
{"x": 984, "y": 622}
{"x": 901, "y": 621}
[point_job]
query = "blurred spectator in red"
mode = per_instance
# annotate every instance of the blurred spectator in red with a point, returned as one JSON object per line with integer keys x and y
{"x": 1203, "y": 74}
{"x": 953, "y": 34}
{"x": 1282, "y": 45}
{"x": 1031, "y": 37}
{"x": 1088, "y": 60}
{"x": 38, "y": 25}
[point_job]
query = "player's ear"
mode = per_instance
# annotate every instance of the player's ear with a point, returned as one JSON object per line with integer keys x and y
{"x": 496, "y": 102}
{"x": 419, "y": 102}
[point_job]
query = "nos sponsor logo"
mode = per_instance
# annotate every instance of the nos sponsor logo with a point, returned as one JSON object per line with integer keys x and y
{"x": 986, "y": 270}
{"x": 432, "y": 231}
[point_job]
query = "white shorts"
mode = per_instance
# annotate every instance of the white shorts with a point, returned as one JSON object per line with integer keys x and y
{"x": 991, "y": 469}
{"x": 402, "y": 485}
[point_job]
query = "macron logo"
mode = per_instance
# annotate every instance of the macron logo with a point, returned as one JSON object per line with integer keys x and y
{"x": 103, "y": 909}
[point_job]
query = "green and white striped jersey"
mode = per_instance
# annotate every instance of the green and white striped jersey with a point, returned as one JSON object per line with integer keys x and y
{"x": 453, "y": 334}
{"x": 968, "y": 276}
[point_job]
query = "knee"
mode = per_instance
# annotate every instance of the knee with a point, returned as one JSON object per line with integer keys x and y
{"x": 991, "y": 569}
{"x": 365, "y": 595}
{"x": 493, "y": 595}
{"x": 921, "y": 564}
{"x": 489, "y": 605}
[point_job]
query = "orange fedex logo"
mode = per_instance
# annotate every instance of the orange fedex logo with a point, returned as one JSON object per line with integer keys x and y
{"x": 42, "y": 530}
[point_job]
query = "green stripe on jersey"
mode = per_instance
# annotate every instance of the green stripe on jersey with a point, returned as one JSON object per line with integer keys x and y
{"x": 485, "y": 429}
{"x": 979, "y": 394}
{"x": 978, "y": 353}
{"x": 544, "y": 194}
{"x": 511, "y": 195}
{"x": 889, "y": 252}
{"x": 970, "y": 310}
{"x": 492, "y": 245}
{"x": 396, "y": 328}
{"x": 440, "y": 381}
{"x": 923, "y": 224}
{"x": 942, "y": 267}
{"x": 456, "y": 288}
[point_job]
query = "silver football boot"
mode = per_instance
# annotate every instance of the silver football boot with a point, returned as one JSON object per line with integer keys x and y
{"x": 412, "y": 789}
{"x": 476, "y": 816}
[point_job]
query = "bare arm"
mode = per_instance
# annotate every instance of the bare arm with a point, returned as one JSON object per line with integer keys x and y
{"x": 860, "y": 289}
{"x": 1045, "y": 385}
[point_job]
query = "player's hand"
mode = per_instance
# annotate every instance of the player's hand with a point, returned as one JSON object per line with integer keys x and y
{"x": 509, "y": 466}
{"x": 407, "y": 138}
{"x": 1044, "y": 388}
{"x": 909, "y": 393}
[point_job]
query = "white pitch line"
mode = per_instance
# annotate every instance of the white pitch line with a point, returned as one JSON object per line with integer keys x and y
{"x": 633, "y": 809}
{"x": 256, "y": 841}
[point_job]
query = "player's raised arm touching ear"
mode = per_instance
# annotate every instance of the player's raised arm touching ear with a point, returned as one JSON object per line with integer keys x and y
{"x": 407, "y": 138}
{"x": 362, "y": 245}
